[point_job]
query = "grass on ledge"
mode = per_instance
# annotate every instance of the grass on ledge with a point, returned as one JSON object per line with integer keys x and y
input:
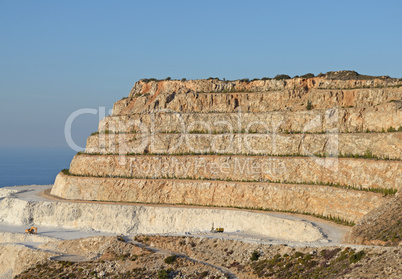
{"x": 383, "y": 191}
{"x": 243, "y": 131}
{"x": 367, "y": 155}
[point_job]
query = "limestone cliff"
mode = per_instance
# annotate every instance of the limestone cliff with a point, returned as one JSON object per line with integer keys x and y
{"x": 328, "y": 145}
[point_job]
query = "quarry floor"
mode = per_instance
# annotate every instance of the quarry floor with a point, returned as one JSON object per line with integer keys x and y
{"x": 332, "y": 233}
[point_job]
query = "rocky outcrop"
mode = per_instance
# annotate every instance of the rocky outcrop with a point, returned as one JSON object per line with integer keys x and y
{"x": 143, "y": 87}
{"x": 381, "y": 226}
{"x": 255, "y": 101}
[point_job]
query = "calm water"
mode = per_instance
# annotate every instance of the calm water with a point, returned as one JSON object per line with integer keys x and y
{"x": 22, "y": 166}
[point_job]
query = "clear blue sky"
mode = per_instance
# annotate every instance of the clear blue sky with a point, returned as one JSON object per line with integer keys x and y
{"x": 59, "y": 56}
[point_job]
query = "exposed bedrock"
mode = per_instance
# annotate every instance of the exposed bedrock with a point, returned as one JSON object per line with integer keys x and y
{"x": 359, "y": 173}
{"x": 253, "y": 97}
{"x": 335, "y": 119}
{"x": 214, "y": 85}
{"x": 15, "y": 258}
{"x": 380, "y": 145}
{"x": 350, "y": 204}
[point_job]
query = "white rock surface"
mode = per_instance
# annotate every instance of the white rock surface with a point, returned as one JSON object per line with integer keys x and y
{"x": 132, "y": 219}
{"x": 10, "y": 237}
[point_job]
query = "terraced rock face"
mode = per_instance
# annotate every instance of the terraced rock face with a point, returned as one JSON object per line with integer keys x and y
{"x": 320, "y": 146}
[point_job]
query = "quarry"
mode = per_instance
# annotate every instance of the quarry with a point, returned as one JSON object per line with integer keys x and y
{"x": 303, "y": 174}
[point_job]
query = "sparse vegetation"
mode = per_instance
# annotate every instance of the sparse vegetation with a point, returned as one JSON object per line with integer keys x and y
{"x": 65, "y": 171}
{"x": 391, "y": 130}
{"x": 355, "y": 257}
{"x": 382, "y": 227}
{"x": 170, "y": 259}
{"x": 255, "y": 256}
{"x": 309, "y": 105}
{"x": 313, "y": 265}
{"x": 278, "y": 261}
{"x": 366, "y": 155}
{"x": 163, "y": 274}
{"x": 332, "y": 75}
{"x": 243, "y": 131}
{"x": 351, "y": 75}
{"x": 309, "y": 75}
{"x": 147, "y": 80}
{"x": 282, "y": 77}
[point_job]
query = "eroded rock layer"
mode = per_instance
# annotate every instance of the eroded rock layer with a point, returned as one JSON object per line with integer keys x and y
{"x": 344, "y": 144}
{"x": 347, "y": 172}
{"x": 322, "y": 145}
{"x": 319, "y": 200}
{"x": 336, "y": 119}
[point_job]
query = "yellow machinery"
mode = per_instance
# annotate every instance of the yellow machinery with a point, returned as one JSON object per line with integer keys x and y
{"x": 217, "y": 230}
{"x": 32, "y": 230}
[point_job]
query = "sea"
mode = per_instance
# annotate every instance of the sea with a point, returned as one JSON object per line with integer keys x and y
{"x": 27, "y": 166}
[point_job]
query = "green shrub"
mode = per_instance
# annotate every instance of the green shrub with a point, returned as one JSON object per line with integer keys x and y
{"x": 368, "y": 154}
{"x": 255, "y": 256}
{"x": 163, "y": 274}
{"x": 309, "y": 75}
{"x": 281, "y": 77}
{"x": 123, "y": 257}
{"x": 298, "y": 255}
{"x": 146, "y": 80}
{"x": 309, "y": 105}
{"x": 170, "y": 259}
{"x": 65, "y": 171}
{"x": 391, "y": 129}
{"x": 354, "y": 258}
{"x": 202, "y": 275}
